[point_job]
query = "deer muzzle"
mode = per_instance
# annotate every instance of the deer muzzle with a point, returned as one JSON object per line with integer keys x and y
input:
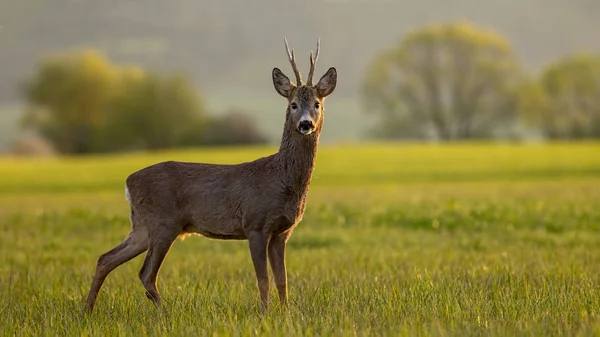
{"x": 306, "y": 127}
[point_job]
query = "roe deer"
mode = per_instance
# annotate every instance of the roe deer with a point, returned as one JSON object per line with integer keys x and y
{"x": 261, "y": 201}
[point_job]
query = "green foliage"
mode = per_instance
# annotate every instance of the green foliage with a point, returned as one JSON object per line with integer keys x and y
{"x": 233, "y": 128}
{"x": 450, "y": 81}
{"x": 82, "y": 103}
{"x": 418, "y": 244}
{"x": 568, "y": 98}
{"x": 154, "y": 112}
{"x": 67, "y": 97}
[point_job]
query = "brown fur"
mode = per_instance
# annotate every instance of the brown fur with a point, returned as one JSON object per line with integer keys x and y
{"x": 260, "y": 201}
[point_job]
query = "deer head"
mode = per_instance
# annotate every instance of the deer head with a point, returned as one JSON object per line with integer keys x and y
{"x": 305, "y": 100}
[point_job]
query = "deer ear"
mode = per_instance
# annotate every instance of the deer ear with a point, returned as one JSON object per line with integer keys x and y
{"x": 282, "y": 83}
{"x": 327, "y": 83}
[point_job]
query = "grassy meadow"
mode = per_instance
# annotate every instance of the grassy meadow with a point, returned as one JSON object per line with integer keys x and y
{"x": 398, "y": 239}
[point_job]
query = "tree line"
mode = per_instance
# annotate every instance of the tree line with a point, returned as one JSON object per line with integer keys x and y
{"x": 83, "y": 103}
{"x": 448, "y": 81}
{"x": 457, "y": 81}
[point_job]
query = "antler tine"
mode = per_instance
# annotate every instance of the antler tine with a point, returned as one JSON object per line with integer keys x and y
{"x": 293, "y": 63}
{"x": 313, "y": 62}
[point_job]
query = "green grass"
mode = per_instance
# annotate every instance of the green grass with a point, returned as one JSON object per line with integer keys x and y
{"x": 461, "y": 240}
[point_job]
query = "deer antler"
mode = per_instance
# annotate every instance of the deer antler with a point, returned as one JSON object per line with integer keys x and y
{"x": 313, "y": 62}
{"x": 293, "y": 63}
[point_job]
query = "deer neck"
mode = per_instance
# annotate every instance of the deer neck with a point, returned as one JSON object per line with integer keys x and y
{"x": 296, "y": 157}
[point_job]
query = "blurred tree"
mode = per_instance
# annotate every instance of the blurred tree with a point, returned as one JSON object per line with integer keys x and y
{"x": 450, "y": 81}
{"x": 153, "y": 111}
{"x": 82, "y": 103}
{"x": 566, "y": 101}
{"x": 233, "y": 128}
{"x": 67, "y": 98}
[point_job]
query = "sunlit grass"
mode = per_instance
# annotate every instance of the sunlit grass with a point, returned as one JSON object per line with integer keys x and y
{"x": 464, "y": 239}
{"x": 339, "y": 166}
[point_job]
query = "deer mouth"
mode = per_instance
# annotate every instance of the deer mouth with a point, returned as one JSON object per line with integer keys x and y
{"x": 306, "y": 127}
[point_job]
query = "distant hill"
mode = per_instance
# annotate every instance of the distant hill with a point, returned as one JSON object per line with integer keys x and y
{"x": 230, "y": 46}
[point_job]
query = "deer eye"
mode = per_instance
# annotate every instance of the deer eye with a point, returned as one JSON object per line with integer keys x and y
{"x": 317, "y": 105}
{"x": 294, "y": 106}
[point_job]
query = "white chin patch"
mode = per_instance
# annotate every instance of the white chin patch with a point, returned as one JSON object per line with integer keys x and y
{"x": 127, "y": 196}
{"x": 307, "y": 130}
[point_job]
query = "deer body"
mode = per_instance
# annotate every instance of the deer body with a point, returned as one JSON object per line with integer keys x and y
{"x": 223, "y": 201}
{"x": 260, "y": 201}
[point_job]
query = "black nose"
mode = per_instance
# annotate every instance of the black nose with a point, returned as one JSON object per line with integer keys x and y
{"x": 305, "y": 126}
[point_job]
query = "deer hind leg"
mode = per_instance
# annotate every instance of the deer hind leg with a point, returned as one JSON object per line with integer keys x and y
{"x": 159, "y": 246}
{"x": 135, "y": 244}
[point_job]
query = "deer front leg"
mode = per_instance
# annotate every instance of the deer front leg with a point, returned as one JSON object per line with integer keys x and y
{"x": 277, "y": 260}
{"x": 258, "y": 251}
